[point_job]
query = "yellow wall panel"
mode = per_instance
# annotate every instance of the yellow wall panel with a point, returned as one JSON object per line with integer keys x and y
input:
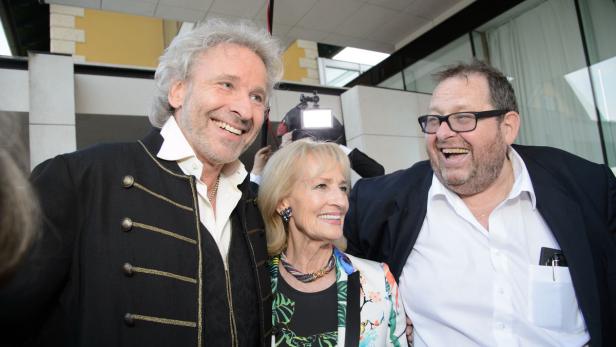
{"x": 291, "y": 58}
{"x": 115, "y": 38}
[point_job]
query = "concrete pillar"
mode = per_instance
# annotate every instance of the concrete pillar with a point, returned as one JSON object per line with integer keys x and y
{"x": 52, "y": 106}
{"x": 383, "y": 124}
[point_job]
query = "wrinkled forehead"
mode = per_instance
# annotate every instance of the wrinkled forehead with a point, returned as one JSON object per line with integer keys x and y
{"x": 318, "y": 163}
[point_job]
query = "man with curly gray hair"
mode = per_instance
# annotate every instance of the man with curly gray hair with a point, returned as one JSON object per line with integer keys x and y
{"x": 159, "y": 242}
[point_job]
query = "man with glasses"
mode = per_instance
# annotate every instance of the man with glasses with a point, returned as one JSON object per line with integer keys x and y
{"x": 158, "y": 242}
{"x": 493, "y": 244}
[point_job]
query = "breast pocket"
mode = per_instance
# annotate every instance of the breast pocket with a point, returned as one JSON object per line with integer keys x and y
{"x": 552, "y": 302}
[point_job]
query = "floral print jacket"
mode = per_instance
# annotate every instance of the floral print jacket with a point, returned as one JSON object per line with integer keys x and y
{"x": 382, "y": 321}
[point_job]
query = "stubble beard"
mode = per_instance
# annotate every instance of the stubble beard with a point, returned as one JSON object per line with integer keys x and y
{"x": 220, "y": 153}
{"x": 484, "y": 171}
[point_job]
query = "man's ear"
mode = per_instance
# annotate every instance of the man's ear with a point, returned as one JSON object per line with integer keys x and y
{"x": 176, "y": 95}
{"x": 510, "y": 126}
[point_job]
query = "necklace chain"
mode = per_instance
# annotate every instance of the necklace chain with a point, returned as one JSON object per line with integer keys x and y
{"x": 308, "y": 277}
{"x": 212, "y": 192}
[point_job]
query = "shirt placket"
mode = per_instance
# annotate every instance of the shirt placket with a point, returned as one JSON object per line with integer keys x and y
{"x": 503, "y": 315}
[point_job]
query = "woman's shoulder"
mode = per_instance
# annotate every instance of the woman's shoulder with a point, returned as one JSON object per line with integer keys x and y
{"x": 362, "y": 264}
{"x": 374, "y": 274}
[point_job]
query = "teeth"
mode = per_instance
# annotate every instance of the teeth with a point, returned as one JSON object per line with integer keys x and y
{"x": 455, "y": 150}
{"x": 228, "y": 128}
{"x": 330, "y": 216}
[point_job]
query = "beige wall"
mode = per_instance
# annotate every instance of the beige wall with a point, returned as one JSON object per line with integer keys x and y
{"x": 115, "y": 38}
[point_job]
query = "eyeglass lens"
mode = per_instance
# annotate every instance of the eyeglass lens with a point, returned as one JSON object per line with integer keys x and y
{"x": 456, "y": 122}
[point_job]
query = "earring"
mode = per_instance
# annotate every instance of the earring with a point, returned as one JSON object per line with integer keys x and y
{"x": 286, "y": 214}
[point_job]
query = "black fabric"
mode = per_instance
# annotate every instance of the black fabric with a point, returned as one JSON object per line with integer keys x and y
{"x": 364, "y": 165}
{"x": 351, "y": 337}
{"x": 575, "y": 197}
{"x": 74, "y": 290}
{"x": 314, "y": 313}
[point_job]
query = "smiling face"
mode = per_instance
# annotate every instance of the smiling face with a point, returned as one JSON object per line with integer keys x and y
{"x": 319, "y": 201}
{"x": 221, "y": 106}
{"x": 468, "y": 163}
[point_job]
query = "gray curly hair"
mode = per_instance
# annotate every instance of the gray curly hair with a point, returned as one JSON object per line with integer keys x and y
{"x": 177, "y": 60}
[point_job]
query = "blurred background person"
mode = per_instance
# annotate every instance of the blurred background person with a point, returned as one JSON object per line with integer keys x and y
{"x": 321, "y": 295}
{"x": 18, "y": 207}
{"x": 291, "y": 129}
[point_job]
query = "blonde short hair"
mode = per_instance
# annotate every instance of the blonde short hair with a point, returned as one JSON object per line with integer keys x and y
{"x": 285, "y": 168}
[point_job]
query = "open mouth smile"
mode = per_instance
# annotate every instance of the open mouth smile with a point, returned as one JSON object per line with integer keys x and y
{"x": 228, "y": 127}
{"x": 332, "y": 218}
{"x": 454, "y": 152}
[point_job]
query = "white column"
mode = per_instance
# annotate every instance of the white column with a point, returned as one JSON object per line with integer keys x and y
{"x": 52, "y": 106}
{"x": 383, "y": 124}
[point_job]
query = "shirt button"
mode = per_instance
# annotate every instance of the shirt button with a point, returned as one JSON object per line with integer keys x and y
{"x": 500, "y": 291}
{"x": 500, "y": 325}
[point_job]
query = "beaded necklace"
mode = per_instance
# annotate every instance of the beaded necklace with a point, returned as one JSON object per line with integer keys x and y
{"x": 308, "y": 277}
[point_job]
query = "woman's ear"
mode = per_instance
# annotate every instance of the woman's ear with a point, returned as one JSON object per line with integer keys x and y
{"x": 282, "y": 205}
{"x": 176, "y": 95}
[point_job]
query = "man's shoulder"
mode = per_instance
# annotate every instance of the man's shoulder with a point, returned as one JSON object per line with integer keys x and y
{"x": 548, "y": 153}
{"x": 104, "y": 151}
{"x": 551, "y": 158}
{"x": 94, "y": 157}
{"x": 396, "y": 180}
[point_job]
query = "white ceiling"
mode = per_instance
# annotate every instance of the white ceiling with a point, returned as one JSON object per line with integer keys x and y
{"x": 381, "y": 25}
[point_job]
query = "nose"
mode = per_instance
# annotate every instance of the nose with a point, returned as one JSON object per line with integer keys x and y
{"x": 444, "y": 131}
{"x": 341, "y": 200}
{"x": 242, "y": 106}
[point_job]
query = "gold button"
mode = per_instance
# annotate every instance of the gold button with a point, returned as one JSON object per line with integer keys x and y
{"x": 128, "y": 269}
{"x": 127, "y": 224}
{"x": 128, "y": 181}
{"x": 129, "y": 320}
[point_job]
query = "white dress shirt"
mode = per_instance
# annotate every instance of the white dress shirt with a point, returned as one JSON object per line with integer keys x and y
{"x": 175, "y": 147}
{"x": 465, "y": 286}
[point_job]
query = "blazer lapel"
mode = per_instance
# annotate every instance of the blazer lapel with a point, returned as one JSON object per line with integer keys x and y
{"x": 351, "y": 338}
{"x": 563, "y": 216}
{"x": 404, "y": 224}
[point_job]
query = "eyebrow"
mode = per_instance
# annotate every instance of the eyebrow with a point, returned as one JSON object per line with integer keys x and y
{"x": 234, "y": 78}
{"x": 329, "y": 180}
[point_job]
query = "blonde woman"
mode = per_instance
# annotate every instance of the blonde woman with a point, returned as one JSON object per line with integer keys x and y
{"x": 322, "y": 297}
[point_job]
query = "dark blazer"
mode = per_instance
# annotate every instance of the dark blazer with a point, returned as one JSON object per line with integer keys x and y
{"x": 575, "y": 197}
{"x": 123, "y": 259}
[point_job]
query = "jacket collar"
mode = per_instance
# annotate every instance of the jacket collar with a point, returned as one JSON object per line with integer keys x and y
{"x": 152, "y": 143}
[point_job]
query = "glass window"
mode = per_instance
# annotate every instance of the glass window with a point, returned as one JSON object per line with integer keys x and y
{"x": 599, "y": 24}
{"x": 394, "y": 82}
{"x": 541, "y": 51}
{"x": 338, "y": 73}
{"x": 418, "y": 77}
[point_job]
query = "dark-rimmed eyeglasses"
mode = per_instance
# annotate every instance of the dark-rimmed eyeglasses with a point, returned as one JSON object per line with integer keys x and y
{"x": 459, "y": 122}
